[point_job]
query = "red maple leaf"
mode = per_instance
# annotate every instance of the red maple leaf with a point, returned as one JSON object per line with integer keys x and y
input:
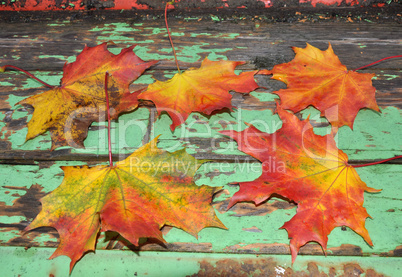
{"x": 318, "y": 78}
{"x": 309, "y": 170}
{"x": 205, "y": 89}
{"x": 68, "y": 110}
{"x": 136, "y": 197}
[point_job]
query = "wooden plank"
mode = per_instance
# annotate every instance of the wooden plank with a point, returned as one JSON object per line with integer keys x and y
{"x": 41, "y": 5}
{"x": 268, "y": 45}
{"x": 251, "y": 229}
{"x": 261, "y": 44}
{"x": 293, "y": 15}
{"x": 20, "y": 262}
{"x": 199, "y": 134}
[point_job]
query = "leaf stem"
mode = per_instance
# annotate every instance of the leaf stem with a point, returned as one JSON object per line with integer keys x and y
{"x": 3, "y": 68}
{"x": 378, "y": 162}
{"x": 387, "y": 58}
{"x": 170, "y": 38}
{"x": 108, "y": 120}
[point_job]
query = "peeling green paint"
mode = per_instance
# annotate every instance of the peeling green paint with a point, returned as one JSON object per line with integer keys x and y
{"x": 2, "y": 123}
{"x": 117, "y": 32}
{"x": 7, "y": 236}
{"x": 365, "y": 132}
{"x": 177, "y": 34}
{"x": 17, "y": 114}
{"x": 16, "y": 57}
{"x": 215, "y": 18}
{"x": 190, "y": 18}
{"x": 221, "y": 35}
{"x": 194, "y": 35}
{"x": 34, "y": 262}
{"x": 56, "y": 24}
{"x": 17, "y": 139}
{"x": 116, "y": 39}
{"x": 97, "y": 29}
{"x": 189, "y": 54}
{"x": 44, "y": 238}
{"x": 13, "y": 57}
{"x": 6, "y": 84}
{"x": 115, "y": 27}
{"x": 11, "y": 219}
{"x": 145, "y": 79}
{"x": 229, "y": 35}
{"x": 213, "y": 56}
{"x": 155, "y": 31}
{"x": 269, "y": 224}
{"x": 378, "y": 205}
{"x": 315, "y": 115}
{"x": 25, "y": 176}
{"x": 48, "y": 77}
{"x": 379, "y": 133}
{"x": 14, "y": 99}
{"x": 382, "y": 177}
{"x": 127, "y": 134}
{"x": 264, "y": 96}
{"x": 390, "y": 76}
{"x": 201, "y": 126}
{"x": 193, "y": 53}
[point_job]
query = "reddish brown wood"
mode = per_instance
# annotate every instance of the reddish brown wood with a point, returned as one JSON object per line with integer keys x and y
{"x": 43, "y": 5}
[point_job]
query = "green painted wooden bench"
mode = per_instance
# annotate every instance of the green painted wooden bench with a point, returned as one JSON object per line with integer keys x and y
{"x": 253, "y": 245}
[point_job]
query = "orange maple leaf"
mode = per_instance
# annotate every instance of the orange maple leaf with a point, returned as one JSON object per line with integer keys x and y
{"x": 136, "y": 198}
{"x": 309, "y": 170}
{"x": 318, "y": 78}
{"x": 68, "y": 110}
{"x": 204, "y": 90}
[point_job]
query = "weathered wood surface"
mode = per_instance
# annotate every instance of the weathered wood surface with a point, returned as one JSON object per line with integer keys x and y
{"x": 155, "y": 264}
{"x": 141, "y": 5}
{"x": 261, "y": 46}
{"x": 28, "y": 171}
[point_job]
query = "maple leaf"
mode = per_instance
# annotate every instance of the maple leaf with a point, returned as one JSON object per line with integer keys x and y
{"x": 136, "y": 197}
{"x": 68, "y": 110}
{"x": 318, "y": 78}
{"x": 309, "y": 170}
{"x": 204, "y": 90}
